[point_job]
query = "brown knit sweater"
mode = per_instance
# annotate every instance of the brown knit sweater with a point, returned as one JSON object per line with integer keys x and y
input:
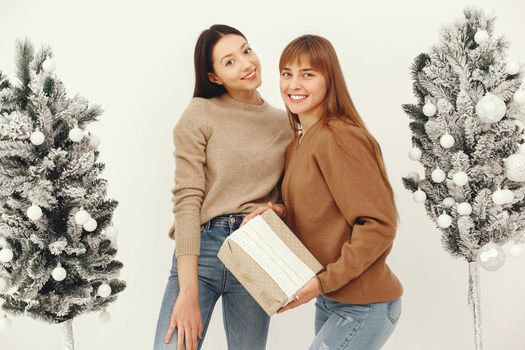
{"x": 229, "y": 157}
{"x": 339, "y": 207}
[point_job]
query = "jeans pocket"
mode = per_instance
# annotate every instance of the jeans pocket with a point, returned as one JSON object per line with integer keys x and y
{"x": 394, "y": 311}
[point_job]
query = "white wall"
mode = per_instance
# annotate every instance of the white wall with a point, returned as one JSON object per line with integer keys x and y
{"x": 136, "y": 61}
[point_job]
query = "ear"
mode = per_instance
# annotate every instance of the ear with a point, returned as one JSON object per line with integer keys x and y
{"x": 214, "y": 78}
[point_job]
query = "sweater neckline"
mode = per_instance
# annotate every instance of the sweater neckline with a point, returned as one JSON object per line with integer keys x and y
{"x": 299, "y": 142}
{"x": 243, "y": 105}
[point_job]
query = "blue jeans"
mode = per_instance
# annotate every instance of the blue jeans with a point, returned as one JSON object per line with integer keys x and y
{"x": 245, "y": 322}
{"x": 353, "y": 327}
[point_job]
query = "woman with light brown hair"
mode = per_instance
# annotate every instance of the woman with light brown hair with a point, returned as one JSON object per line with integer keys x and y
{"x": 338, "y": 201}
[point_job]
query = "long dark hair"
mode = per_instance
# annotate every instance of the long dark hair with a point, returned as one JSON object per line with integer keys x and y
{"x": 204, "y": 62}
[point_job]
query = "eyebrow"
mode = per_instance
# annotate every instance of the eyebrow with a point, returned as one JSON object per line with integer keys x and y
{"x": 300, "y": 70}
{"x": 228, "y": 55}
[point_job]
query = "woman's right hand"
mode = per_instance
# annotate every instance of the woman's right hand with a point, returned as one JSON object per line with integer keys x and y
{"x": 186, "y": 318}
{"x": 279, "y": 209}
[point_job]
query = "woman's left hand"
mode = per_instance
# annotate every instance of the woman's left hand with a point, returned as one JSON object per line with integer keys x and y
{"x": 279, "y": 209}
{"x": 307, "y": 293}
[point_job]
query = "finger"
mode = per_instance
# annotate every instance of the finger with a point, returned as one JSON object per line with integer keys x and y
{"x": 200, "y": 330}
{"x": 277, "y": 209}
{"x": 194, "y": 339}
{"x": 169, "y": 334}
{"x": 180, "y": 337}
{"x": 188, "y": 339}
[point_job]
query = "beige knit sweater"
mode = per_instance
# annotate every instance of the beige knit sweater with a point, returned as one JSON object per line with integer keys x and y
{"x": 229, "y": 157}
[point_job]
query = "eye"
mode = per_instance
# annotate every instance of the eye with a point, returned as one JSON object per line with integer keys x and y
{"x": 285, "y": 74}
{"x": 308, "y": 75}
{"x": 248, "y": 50}
{"x": 229, "y": 63}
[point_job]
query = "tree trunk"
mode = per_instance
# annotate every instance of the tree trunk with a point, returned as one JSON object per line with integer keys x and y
{"x": 473, "y": 301}
{"x": 67, "y": 335}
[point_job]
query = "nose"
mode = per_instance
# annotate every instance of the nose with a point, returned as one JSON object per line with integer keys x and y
{"x": 246, "y": 64}
{"x": 295, "y": 83}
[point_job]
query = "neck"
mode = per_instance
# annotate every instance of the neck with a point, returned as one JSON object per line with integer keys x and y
{"x": 246, "y": 96}
{"x": 308, "y": 120}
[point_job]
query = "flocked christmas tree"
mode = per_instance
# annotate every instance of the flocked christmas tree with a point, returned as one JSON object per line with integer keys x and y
{"x": 468, "y": 136}
{"x": 57, "y": 242}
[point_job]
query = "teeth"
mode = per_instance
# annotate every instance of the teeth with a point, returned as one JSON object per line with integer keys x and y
{"x": 297, "y": 97}
{"x": 250, "y": 76}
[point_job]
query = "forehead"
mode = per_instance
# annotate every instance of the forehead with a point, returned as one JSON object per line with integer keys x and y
{"x": 299, "y": 62}
{"x": 228, "y": 44}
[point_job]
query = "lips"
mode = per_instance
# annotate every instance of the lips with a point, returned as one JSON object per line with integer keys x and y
{"x": 297, "y": 98}
{"x": 250, "y": 76}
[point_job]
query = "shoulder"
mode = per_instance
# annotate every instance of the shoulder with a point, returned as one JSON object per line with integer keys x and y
{"x": 197, "y": 106}
{"x": 194, "y": 116}
{"x": 341, "y": 136}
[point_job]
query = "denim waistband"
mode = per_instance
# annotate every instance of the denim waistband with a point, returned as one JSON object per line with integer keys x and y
{"x": 227, "y": 220}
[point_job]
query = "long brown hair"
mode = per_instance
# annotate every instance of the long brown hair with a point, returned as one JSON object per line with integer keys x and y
{"x": 337, "y": 104}
{"x": 202, "y": 59}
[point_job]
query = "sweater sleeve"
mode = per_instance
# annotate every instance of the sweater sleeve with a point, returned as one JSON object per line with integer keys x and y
{"x": 190, "y": 137}
{"x": 350, "y": 169}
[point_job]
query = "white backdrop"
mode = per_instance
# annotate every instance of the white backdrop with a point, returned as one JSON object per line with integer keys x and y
{"x": 135, "y": 59}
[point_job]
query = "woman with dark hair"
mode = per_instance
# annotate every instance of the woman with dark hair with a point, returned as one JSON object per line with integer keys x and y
{"x": 229, "y": 153}
{"x": 338, "y": 201}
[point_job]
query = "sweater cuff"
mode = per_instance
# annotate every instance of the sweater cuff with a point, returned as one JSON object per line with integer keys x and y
{"x": 187, "y": 237}
{"x": 327, "y": 285}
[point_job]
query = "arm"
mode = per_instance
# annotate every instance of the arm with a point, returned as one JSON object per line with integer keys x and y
{"x": 190, "y": 140}
{"x": 351, "y": 171}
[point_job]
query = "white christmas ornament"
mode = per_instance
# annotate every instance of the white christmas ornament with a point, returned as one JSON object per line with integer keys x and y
{"x": 512, "y": 67}
{"x": 515, "y": 167}
{"x": 464, "y": 209}
{"x": 111, "y": 232}
{"x": 516, "y": 250}
{"x": 49, "y": 65}
{"x": 114, "y": 244}
{"x": 414, "y": 154}
{"x": 76, "y": 134}
{"x": 37, "y": 138}
{"x": 94, "y": 141}
{"x": 34, "y": 212}
{"x": 448, "y": 202}
{"x": 460, "y": 178}
{"x": 438, "y": 175}
{"x": 419, "y": 196}
{"x": 429, "y": 109}
{"x": 491, "y": 257}
{"x": 444, "y": 220}
{"x": 509, "y": 195}
{"x": 519, "y": 97}
{"x": 481, "y": 36}
{"x": 6, "y": 255}
{"x": 104, "y": 290}
{"x": 59, "y": 273}
{"x": 499, "y": 197}
{"x": 81, "y": 217}
{"x": 90, "y": 225}
{"x": 5, "y": 323}
{"x": 104, "y": 317}
{"x": 491, "y": 108}
{"x": 446, "y": 141}
{"x": 4, "y": 284}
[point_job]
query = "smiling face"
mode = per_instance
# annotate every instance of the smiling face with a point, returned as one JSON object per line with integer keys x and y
{"x": 303, "y": 88}
{"x": 235, "y": 65}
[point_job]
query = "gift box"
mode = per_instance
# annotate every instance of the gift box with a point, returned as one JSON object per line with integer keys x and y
{"x": 268, "y": 260}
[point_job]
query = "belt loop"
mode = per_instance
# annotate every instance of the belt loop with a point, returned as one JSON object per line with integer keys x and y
{"x": 208, "y": 224}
